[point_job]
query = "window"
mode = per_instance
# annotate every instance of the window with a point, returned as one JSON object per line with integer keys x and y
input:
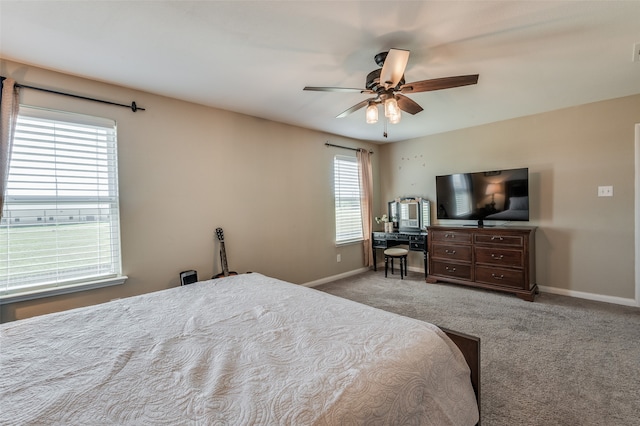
{"x": 347, "y": 199}
{"x": 60, "y": 225}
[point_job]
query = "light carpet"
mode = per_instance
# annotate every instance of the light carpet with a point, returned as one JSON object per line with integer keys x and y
{"x": 556, "y": 361}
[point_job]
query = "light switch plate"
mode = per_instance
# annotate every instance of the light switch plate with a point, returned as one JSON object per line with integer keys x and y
{"x": 605, "y": 191}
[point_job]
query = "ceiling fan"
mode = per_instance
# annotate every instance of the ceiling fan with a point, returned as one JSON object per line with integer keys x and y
{"x": 389, "y": 87}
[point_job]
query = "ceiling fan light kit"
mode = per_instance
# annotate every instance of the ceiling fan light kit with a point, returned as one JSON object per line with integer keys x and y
{"x": 388, "y": 84}
{"x": 391, "y": 108}
{"x": 372, "y": 113}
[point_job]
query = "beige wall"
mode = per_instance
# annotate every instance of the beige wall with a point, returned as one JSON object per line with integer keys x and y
{"x": 186, "y": 169}
{"x": 585, "y": 244}
{"x": 269, "y": 186}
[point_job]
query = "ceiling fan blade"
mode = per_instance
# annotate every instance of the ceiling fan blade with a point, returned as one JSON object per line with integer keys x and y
{"x": 337, "y": 89}
{"x": 439, "y": 83}
{"x": 408, "y": 104}
{"x": 393, "y": 67}
{"x": 355, "y": 108}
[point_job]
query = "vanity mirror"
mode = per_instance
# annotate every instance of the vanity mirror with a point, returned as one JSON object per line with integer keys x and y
{"x": 410, "y": 214}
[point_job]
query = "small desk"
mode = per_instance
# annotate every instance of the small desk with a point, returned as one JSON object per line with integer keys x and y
{"x": 417, "y": 241}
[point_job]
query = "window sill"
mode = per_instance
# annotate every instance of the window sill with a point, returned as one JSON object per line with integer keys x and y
{"x": 63, "y": 289}
{"x": 349, "y": 242}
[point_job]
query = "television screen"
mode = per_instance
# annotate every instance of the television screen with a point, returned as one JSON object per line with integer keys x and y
{"x": 501, "y": 195}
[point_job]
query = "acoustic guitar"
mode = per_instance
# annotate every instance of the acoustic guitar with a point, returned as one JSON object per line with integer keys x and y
{"x": 223, "y": 257}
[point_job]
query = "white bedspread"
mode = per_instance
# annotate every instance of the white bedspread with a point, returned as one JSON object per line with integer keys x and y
{"x": 242, "y": 350}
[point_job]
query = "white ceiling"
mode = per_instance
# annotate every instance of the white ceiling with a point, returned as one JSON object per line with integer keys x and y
{"x": 255, "y": 57}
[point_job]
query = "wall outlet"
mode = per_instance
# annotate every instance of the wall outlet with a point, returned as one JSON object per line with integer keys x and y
{"x": 339, "y": 258}
{"x": 636, "y": 52}
{"x": 605, "y": 191}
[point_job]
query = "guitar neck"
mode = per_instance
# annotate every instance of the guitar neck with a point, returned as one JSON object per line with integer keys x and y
{"x": 223, "y": 259}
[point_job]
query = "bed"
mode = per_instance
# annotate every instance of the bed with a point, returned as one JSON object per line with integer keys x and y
{"x": 245, "y": 349}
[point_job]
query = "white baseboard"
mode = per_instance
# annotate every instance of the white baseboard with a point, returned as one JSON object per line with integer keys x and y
{"x": 335, "y": 277}
{"x": 589, "y": 296}
{"x": 352, "y": 273}
{"x": 411, "y": 268}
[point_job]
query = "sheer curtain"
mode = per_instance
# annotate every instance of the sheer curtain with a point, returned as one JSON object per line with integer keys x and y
{"x": 8, "y": 115}
{"x": 366, "y": 201}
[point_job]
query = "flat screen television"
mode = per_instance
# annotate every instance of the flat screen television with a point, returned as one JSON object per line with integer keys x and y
{"x": 498, "y": 195}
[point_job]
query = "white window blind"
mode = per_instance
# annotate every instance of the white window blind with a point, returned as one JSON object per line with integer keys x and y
{"x": 347, "y": 199}
{"x": 60, "y": 223}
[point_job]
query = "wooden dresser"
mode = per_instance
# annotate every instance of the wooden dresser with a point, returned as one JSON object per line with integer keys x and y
{"x": 497, "y": 258}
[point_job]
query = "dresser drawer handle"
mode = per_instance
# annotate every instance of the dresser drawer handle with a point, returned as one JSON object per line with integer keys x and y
{"x": 450, "y": 269}
{"x": 497, "y": 256}
{"x": 450, "y": 251}
{"x": 449, "y": 235}
{"x": 495, "y": 237}
{"x": 497, "y": 277}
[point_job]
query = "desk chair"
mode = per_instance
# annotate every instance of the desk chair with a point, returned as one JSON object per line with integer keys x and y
{"x": 396, "y": 253}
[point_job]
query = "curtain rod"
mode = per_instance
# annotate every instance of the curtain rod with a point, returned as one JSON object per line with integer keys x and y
{"x": 345, "y": 147}
{"x": 133, "y": 105}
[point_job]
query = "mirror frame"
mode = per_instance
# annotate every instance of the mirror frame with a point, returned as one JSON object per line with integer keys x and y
{"x": 424, "y": 214}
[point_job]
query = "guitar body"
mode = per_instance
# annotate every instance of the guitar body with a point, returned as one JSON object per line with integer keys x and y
{"x": 223, "y": 257}
{"x": 222, "y": 275}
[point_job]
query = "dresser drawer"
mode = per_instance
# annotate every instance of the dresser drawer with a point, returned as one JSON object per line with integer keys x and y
{"x": 454, "y": 270}
{"x": 499, "y": 256}
{"x": 416, "y": 245}
{"x": 501, "y": 277}
{"x": 458, "y": 237}
{"x": 396, "y": 236}
{"x": 417, "y": 242}
{"x": 453, "y": 252}
{"x": 502, "y": 240}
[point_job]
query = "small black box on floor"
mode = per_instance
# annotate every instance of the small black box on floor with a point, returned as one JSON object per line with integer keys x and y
{"x": 188, "y": 277}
